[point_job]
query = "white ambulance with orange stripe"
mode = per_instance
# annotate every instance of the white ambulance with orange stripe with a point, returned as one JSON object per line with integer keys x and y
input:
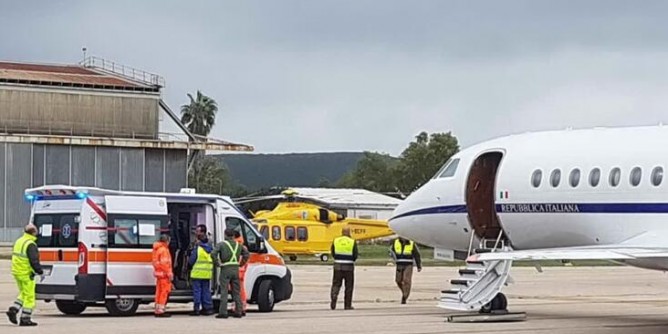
{"x": 96, "y": 245}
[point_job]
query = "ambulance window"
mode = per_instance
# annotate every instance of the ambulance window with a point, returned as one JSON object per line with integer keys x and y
{"x": 129, "y": 231}
{"x": 233, "y": 223}
{"x": 302, "y": 233}
{"x": 290, "y": 233}
{"x": 594, "y": 177}
{"x": 657, "y": 176}
{"x": 450, "y": 169}
{"x": 276, "y": 233}
{"x": 264, "y": 230}
{"x": 615, "y": 176}
{"x": 57, "y": 230}
{"x": 536, "y": 177}
{"x": 555, "y": 178}
{"x": 636, "y": 176}
{"x": 250, "y": 238}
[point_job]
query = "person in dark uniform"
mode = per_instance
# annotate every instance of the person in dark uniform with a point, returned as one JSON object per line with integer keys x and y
{"x": 344, "y": 250}
{"x": 405, "y": 253}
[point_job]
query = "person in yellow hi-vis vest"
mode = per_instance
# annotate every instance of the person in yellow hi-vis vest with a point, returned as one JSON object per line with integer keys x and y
{"x": 405, "y": 252}
{"x": 25, "y": 265}
{"x": 344, "y": 252}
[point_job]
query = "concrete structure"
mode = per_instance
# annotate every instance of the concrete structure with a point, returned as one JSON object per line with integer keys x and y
{"x": 96, "y": 124}
{"x": 357, "y": 203}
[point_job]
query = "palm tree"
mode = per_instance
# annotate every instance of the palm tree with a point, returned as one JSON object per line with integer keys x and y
{"x": 200, "y": 115}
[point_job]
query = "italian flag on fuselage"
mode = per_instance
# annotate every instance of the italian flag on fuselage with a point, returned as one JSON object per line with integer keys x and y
{"x": 503, "y": 194}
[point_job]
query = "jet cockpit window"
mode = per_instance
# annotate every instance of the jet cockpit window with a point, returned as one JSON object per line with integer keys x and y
{"x": 536, "y": 178}
{"x": 450, "y": 169}
{"x": 657, "y": 176}
{"x": 574, "y": 178}
{"x": 594, "y": 177}
{"x": 615, "y": 176}
{"x": 555, "y": 178}
{"x": 636, "y": 176}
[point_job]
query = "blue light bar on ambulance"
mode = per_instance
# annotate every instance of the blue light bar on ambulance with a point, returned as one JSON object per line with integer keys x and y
{"x": 30, "y": 197}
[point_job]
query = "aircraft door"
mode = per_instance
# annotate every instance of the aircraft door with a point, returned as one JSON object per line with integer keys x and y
{"x": 480, "y": 195}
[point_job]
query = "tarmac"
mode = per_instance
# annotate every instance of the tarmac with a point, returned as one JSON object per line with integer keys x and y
{"x": 559, "y": 300}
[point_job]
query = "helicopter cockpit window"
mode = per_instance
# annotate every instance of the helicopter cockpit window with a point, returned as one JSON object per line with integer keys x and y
{"x": 302, "y": 233}
{"x": 276, "y": 233}
{"x": 324, "y": 215}
{"x": 290, "y": 233}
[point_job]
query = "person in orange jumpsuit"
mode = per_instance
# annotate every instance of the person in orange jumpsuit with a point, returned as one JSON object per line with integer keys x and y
{"x": 242, "y": 274}
{"x": 162, "y": 270}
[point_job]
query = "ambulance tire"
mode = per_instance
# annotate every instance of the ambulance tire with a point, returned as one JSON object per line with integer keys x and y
{"x": 324, "y": 257}
{"x": 122, "y": 307}
{"x": 69, "y": 307}
{"x": 293, "y": 258}
{"x": 266, "y": 296}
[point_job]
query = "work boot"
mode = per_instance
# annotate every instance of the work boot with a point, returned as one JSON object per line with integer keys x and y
{"x": 403, "y": 300}
{"x": 237, "y": 315}
{"x": 349, "y": 308}
{"x": 332, "y": 305}
{"x": 194, "y": 314}
{"x": 26, "y": 322}
{"x": 207, "y": 313}
{"x": 222, "y": 316}
{"x": 11, "y": 314}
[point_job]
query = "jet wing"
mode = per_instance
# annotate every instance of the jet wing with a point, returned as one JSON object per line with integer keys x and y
{"x": 607, "y": 252}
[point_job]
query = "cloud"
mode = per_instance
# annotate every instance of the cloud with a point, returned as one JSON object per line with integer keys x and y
{"x": 369, "y": 75}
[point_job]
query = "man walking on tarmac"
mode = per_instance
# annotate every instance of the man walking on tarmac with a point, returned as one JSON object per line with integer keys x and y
{"x": 162, "y": 270}
{"x": 25, "y": 265}
{"x": 201, "y": 273}
{"x": 405, "y": 252}
{"x": 229, "y": 255}
{"x": 344, "y": 251}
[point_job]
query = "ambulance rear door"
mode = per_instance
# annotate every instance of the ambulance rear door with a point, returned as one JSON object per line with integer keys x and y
{"x": 134, "y": 225}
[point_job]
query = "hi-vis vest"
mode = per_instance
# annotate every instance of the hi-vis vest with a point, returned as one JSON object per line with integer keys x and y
{"x": 234, "y": 260}
{"x": 203, "y": 267}
{"x": 403, "y": 253}
{"x": 343, "y": 250}
{"x": 20, "y": 262}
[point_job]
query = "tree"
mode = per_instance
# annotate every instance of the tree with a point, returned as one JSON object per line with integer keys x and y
{"x": 373, "y": 172}
{"x": 200, "y": 115}
{"x": 208, "y": 176}
{"x": 423, "y": 158}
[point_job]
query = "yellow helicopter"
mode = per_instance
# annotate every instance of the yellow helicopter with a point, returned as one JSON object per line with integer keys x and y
{"x": 296, "y": 227}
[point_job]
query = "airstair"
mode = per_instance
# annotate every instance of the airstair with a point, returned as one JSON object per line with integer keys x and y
{"x": 479, "y": 285}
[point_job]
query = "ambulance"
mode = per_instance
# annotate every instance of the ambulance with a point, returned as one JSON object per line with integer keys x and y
{"x": 96, "y": 247}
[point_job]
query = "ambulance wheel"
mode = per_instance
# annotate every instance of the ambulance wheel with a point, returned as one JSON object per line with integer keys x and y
{"x": 69, "y": 307}
{"x": 122, "y": 307}
{"x": 293, "y": 258}
{"x": 266, "y": 296}
{"x": 324, "y": 257}
{"x": 499, "y": 303}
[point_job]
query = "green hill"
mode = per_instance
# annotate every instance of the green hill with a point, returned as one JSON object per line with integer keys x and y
{"x": 257, "y": 171}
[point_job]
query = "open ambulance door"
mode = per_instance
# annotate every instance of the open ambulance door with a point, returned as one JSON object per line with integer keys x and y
{"x": 135, "y": 223}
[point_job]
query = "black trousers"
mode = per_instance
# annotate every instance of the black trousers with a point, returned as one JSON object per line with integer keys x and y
{"x": 346, "y": 274}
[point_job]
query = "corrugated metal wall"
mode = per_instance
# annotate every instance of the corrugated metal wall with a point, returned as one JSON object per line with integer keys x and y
{"x": 30, "y": 165}
{"x": 58, "y": 112}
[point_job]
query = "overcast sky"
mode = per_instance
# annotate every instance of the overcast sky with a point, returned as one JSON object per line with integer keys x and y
{"x": 310, "y": 76}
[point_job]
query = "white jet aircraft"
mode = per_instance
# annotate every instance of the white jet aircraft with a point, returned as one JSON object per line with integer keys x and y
{"x": 557, "y": 195}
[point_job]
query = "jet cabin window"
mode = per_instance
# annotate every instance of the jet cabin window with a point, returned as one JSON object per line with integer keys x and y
{"x": 636, "y": 176}
{"x": 450, "y": 169}
{"x": 615, "y": 176}
{"x": 574, "y": 178}
{"x": 657, "y": 176}
{"x": 594, "y": 177}
{"x": 555, "y": 178}
{"x": 536, "y": 178}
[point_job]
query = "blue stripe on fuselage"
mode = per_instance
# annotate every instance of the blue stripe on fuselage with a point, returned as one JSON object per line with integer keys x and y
{"x": 550, "y": 208}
